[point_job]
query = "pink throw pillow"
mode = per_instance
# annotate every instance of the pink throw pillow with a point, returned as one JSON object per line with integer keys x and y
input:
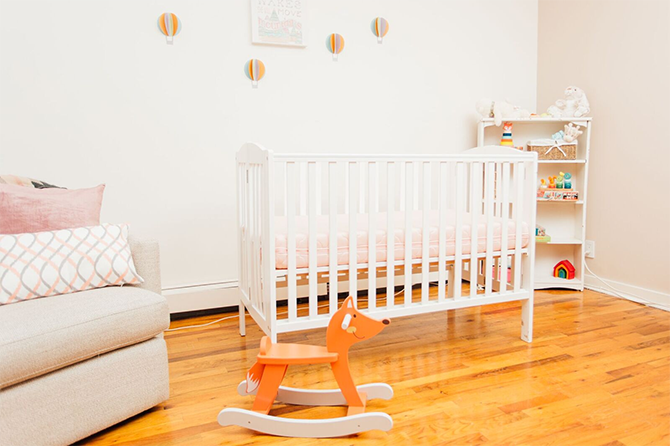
{"x": 24, "y": 209}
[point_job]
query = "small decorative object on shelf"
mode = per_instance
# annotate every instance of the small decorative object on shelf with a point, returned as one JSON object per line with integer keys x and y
{"x": 541, "y": 235}
{"x": 553, "y": 149}
{"x": 564, "y": 270}
{"x": 559, "y": 188}
{"x": 571, "y": 132}
{"x": 506, "y": 139}
{"x": 575, "y": 104}
{"x": 500, "y": 110}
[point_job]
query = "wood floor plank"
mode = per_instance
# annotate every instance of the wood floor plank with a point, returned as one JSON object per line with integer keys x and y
{"x": 598, "y": 373}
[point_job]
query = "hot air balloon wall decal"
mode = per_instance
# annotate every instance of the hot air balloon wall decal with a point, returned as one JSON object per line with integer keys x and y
{"x": 255, "y": 70}
{"x": 335, "y": 44}
{"x": 380, "y": 26}
{"x": 170, "y": 25}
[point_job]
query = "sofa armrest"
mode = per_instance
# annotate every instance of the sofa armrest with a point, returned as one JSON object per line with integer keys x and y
{"x": 146, "y": 256}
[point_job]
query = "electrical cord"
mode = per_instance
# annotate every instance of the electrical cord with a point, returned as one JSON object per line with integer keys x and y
{"x": 236, "y": 316}
{"x": 617, "y": 292}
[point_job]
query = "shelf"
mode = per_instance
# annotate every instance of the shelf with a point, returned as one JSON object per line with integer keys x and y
{"x": 562, "y": 241}
{"x": 561, "y": 201}
{"x": 556, "y": 282}
{"x": 561, "y": 161}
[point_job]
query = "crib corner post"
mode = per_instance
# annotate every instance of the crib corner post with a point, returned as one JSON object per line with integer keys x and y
{"x": 527, "y": 320}
{"x": 242, "y": 313}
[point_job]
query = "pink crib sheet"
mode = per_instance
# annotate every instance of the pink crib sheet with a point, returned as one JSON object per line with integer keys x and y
{"x": 322, "y": 237}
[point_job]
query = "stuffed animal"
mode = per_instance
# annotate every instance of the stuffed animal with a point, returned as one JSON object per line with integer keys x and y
{"x": 571, "y": 133}
{"x": 500, "y": 111}
{"x": 574, "y": 105}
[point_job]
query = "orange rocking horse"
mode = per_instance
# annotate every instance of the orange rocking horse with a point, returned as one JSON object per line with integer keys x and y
{"x": 347, "y": 327}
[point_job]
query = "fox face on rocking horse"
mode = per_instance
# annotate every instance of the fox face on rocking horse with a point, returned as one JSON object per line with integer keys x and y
{"x": 347, "y": 327}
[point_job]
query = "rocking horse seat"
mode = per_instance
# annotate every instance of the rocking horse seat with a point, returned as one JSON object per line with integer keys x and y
{"x": 284, "y": 354}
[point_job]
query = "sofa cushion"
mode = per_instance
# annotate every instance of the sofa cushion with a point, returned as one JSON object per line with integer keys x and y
{"x": 42, "y": 335}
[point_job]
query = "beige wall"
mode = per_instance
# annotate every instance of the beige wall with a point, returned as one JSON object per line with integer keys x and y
{"x": 618, "y": 52}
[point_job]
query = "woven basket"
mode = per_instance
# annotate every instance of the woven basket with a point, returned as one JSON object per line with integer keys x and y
{"x": 549, "y": 149}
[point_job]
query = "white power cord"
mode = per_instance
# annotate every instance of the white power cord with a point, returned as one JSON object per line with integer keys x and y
{"x": 236, "y": 316}
{"x": 617, "y": 292}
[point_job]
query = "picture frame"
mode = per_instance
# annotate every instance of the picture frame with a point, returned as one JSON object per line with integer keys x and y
{"x": 279, "y": 22}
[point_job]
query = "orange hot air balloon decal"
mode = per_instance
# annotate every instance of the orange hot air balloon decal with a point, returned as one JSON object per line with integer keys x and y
{"x": 335, "y": 44}
{"x": 380, "y": 26}
{"x": 170, "y": 25}
{"x": 255, "y": 70}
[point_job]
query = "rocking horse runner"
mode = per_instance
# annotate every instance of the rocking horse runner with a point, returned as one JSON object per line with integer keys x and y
{"x": 347, "y": 326}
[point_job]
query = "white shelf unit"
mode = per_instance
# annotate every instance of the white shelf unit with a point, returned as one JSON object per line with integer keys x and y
{"x": 565, "y": 221}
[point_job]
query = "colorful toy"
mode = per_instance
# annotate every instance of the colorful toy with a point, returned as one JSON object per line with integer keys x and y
{"x": 564, "y": 270}
{"x": 506, "y": 139}
{"x": 255, "y": 70}
{"x": 568, "y": 180}
{"x": 347, "y": 327}
{"x": 559, "y": 180}
{"x": 380, "y": 26}
{"x": 335, "y": 44}
{"x": 552, "y": 182}
{"x": 541, "y": 235}
{"x": 170, "y": 25}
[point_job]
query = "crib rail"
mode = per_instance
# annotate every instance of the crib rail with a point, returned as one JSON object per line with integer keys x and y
{"x": 399, "y": 201}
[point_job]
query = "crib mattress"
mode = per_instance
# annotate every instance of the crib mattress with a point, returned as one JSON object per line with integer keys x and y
{"x": 381, "y": 248}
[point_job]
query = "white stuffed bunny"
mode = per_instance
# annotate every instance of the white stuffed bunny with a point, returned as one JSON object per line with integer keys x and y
{"x": 500, "y": 110}
{"x": 574, "y": 105}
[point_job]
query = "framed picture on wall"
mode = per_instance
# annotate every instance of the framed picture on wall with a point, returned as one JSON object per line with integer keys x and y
{"x": 279, "y": 22}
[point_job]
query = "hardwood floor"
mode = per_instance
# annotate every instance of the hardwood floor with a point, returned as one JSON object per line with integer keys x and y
{"x": 597, "y": 373}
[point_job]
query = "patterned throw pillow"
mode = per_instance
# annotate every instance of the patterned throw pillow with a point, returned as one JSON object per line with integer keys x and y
{"x": 45, "y": 264}
{"x": 25, "y": 181}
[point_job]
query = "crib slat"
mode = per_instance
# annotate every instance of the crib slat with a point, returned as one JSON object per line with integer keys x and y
{"x": 332, "y": 234}
{"x": 475, "y": 211}
{"x": 372, "y": 236}
{"x": 458, "y": 231}
{"x": 319, "y": 196}
{"x": 425, "y": 235}
{"x": 390, "y": 234}
{"x": 442, "y": 235}
{"x": 362, "y": 183}
{"x": 353, "y": 246}
{"x": 302, "y": 171}
{"x": 489, "y": 204}
{"x": 312, "y": 180}
{"x": 502, "y": 273}
{"x": 409, "y": 193}
{"x": 417, "y": 171}
{"x": 290, "y": 230}
{"x": 519, "y": 175}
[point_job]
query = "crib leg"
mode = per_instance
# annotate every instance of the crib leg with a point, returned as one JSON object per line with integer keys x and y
{"x": 527, "y": 320}
{"x": 243, "y": 327}
{"x": 273, "y": 337}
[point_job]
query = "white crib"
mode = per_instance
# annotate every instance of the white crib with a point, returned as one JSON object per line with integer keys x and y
{"x": 471, "y": 218}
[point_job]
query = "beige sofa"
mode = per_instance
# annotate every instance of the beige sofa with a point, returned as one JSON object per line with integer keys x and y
{"x": 74, "y": 364}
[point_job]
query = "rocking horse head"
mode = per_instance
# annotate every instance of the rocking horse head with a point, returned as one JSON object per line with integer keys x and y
{"x": 348, "y": 326}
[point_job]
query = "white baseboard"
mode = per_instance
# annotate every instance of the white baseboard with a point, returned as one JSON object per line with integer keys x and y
{"x": 631, "y": 292}
{"x": 202, "y": 297}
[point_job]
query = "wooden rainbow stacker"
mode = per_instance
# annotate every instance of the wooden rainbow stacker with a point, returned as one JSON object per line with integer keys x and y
{"x": 347, "y": 327}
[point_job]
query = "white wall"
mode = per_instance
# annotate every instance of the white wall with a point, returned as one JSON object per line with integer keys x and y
{"x": 621, "y": 58}
{"x": 90, "y": 93}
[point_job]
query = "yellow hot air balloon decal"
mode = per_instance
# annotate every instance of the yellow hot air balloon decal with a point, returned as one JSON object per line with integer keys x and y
{"x": 255, "y": 70}
{"x": 170, "y": 25}
{"x": 335, "y": 44}
{"x": 380, "y": 26}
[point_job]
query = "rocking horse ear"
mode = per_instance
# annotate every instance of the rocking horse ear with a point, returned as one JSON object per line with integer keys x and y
{"x": 349, "y": 302}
